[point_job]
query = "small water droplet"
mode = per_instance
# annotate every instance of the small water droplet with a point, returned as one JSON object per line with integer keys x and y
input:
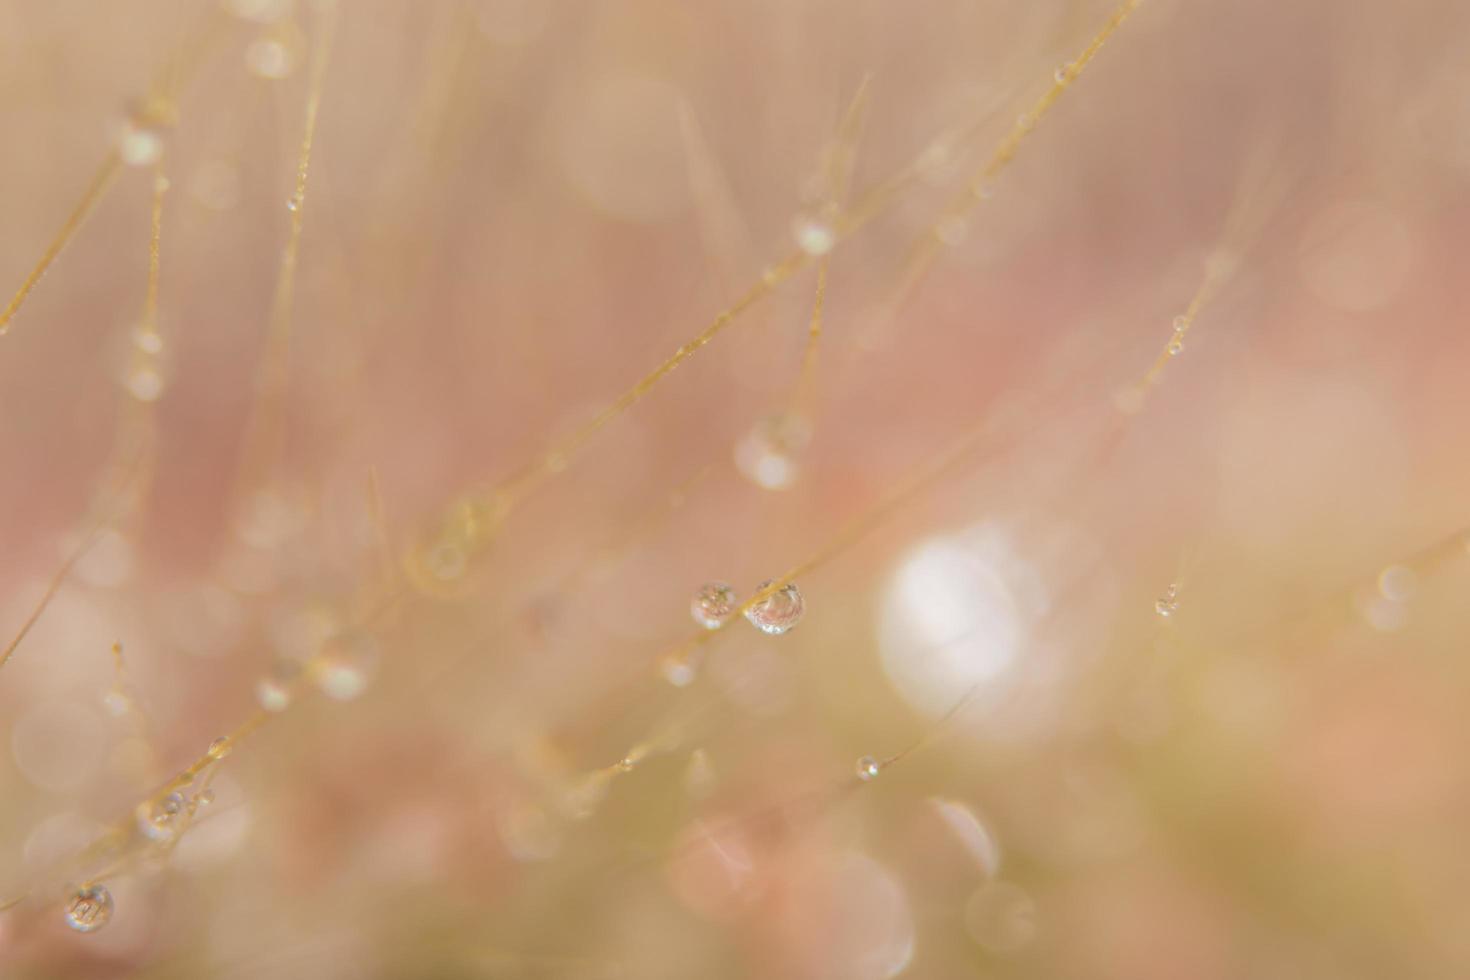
{"x": 161, "y": 819}
{"x": 1181, "y": 323}
{"x": 678, "y": 670}
{"x": 346, "y": 664}
{"x": 204, "y": 797}
{"x": 779, "y": 611}
{"x": 89, "y": 909}
{"x": 1168, "y": 603}
{"x": 868, "y": 768}
{"x": 148, "y": 340}
{"x": 219, "y": 748}
{"x": 268, "y": 58}
{"x": 713, "y": 604}
{"x": 767, "y": 455}
{"x": 116, "y": 703}
{"x": 293, "y": 203}
{"x": 274, "y": 690}
{"x": 814, "y": 234}
{"x": 144, "y": 382}
{"x": 1176, "y": 346}
{"x": 1062, "y": 73}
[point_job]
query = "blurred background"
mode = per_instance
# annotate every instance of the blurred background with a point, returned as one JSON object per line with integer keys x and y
{"x": 1160, "y": 674}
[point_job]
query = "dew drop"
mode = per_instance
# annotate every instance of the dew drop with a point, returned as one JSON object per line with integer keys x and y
{"x": 1168, "y": 603}
{"x": 767, "y": 455}
{"x": 1062, "y": 73}
{"x": 268, "y": 58}
{"x": 139, "y": 144}
{"x": 293, "y": 203}
{"x": 204, "y": 797}
{"x": 1181, "y": 323}
{"x": 144, "y": 382}
{"x": 1176, "y": 346}
{"x": 161, "y": 819}
{"x": 713, "y": 604}
{"x": 678, "y": 671}
{"x": 219, "y": 748}
{"x": 89, "y": 909}
{"x": 814, "y": 234}
{"x": 148, "y": 340}
{"x": 116, "y": 703}
{"x": 779, "y": 611}
{"x": 346, "y": 664}
{"x": 274, "y": 690}
{"x": 868, "y": 768}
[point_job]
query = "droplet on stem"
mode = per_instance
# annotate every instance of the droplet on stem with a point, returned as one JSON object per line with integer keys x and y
{"x": 346, "y": 664}
{"x": 713, "y": 604}
{"x": 868, "y": 768}
{"x": 89, "y": 909}
{"x": 779, "y": 611}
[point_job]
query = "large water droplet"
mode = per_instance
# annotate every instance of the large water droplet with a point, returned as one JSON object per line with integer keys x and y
{"x": 779, "y": 611}
{"x": 89, "y": 909}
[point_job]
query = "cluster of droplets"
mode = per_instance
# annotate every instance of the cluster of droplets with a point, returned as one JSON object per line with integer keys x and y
{"x": 144, "y": 376}
{"x": 1168, "y": 603}
{"x": 1176, "y": 342}
{"x": 162, "y": 819}
{"x": 715, "y": 602}
{"x": 767, "y": 454}
{"x": 89, "y": 908}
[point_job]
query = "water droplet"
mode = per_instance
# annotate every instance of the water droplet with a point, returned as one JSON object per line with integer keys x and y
{"x": 1181, "y": 323}
{"x": 779, "y": 611}
{"x": 678, "y": 670}
{"x": 713, "y": 604}
{"x": 1397, "y": 583}
{"x": 219, "y": 748}
{"x": 293, "y": 203}
{"x": 148, "y": 340}
{"x": 1176, "y": 346}
{"x": 346, "y": 664}
{"x": 767, "y": 455}
{"x": 144, "y": 382}
{"x": 116, "y": 703}
{"x": 161, "y": 819}
{"x": 268, "y": 58}
{"x": 274, "y": 690}
{"x": 139, "y": 145}
{"x": 1062, "y": 73}
{"x": 868, "y": 768}
{"x": 204, "y": 797}
{"x": 814, "y": 234}
{"x": 1168, "y": 603}
{"x": 89, "y": 909}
